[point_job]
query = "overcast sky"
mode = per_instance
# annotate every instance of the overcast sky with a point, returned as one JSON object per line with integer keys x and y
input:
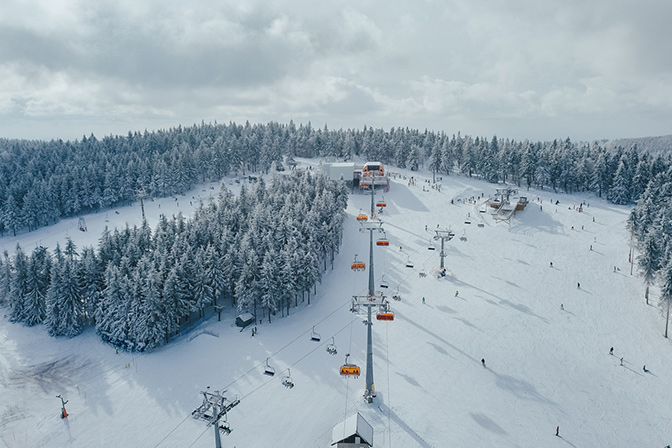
{"x": 538, "y": 69}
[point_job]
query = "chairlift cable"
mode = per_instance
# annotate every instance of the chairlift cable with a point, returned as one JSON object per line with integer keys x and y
{"x": 207, "y": 428}
{"x": 173, "y": 430}
{"x": 256, "y": 367}
{"x": 290, "y": 366}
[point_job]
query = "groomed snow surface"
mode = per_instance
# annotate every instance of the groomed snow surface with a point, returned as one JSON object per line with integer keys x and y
{"x": 545, "y": 366}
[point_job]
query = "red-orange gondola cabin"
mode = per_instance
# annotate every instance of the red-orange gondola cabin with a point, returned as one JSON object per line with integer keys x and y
{"x": 350, "y": 370}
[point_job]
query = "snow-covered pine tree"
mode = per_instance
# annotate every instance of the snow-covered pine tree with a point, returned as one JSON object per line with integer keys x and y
{"x": 113, "y": 309}
{"x": 70, "y": 303}
{"x": 246, "y": 287}
{"x": 6, "y": 268}
{"x": 666, "y": 293}
{"x": 19, "y": 287}
{"x": 153, "y": 312}
{"x": 619, "y": 193}
{"x": 39, "y": 275}
{"x": 435, "y": 160}
{"x": 649, "y": 261}
{"x": 287, "y": 278}
{"x": 201, "y": 287}
{"x": 214, "y": 273}
{"x": 270, "y": 282}
{"x": 52, "y": 303}
{"x": 413, "y": 159}
{"x": 11, "y": 214}
{"x": 92, "y": 279}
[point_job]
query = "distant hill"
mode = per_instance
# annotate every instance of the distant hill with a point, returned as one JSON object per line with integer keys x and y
{"x": 660, "y": 144}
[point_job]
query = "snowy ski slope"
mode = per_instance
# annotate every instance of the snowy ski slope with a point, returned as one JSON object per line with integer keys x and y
{"x": 545, "y": 366}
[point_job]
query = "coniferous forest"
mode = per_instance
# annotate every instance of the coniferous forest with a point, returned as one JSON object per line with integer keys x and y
{"x": 262, "y": 251}
{"x": 265, "y": 249}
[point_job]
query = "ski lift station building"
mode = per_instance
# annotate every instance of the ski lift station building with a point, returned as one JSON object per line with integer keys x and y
{"x": 353, "y": 174}
{"x": 340, "y": 171}
{"x": 353, "y": 432}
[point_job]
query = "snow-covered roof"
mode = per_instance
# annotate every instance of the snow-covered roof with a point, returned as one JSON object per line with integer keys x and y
{"x": 355, "y": 425}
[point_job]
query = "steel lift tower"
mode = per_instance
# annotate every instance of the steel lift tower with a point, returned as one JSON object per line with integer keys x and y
{"x": 369, "y": 301}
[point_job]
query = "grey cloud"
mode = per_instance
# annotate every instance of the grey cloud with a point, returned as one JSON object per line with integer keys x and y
{"x": 429, "y": 64}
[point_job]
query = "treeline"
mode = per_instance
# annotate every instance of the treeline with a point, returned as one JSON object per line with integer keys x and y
{"x": 651, "y": 225}
{"x": 260, "y": 250}
{"x": 41, "y": 182}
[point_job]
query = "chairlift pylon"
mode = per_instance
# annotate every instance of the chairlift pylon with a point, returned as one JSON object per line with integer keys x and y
{"x": 315, "y": 337}
{"x": 331, "y": 348}
{"x": 270, "y": 371}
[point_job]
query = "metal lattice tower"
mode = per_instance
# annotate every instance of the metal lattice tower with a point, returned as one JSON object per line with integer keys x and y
{"x": 443, "y": 235}
{"x": 370, "y": 300}
{"x": 214, "y": 407}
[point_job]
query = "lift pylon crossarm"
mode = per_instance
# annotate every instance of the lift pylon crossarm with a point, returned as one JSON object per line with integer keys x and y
{"x": 371, "y": 225}
{"x": 375, "y": 300}
{"x": 214, "y": 406}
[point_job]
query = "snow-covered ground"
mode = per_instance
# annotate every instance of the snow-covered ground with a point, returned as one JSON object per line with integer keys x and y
{"x": 545, "y": 366}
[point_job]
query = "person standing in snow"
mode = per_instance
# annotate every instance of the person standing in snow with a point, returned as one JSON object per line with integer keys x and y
{"x": 483, "y": 361}
{"x": 423, "y": 300}
{"x": 578, "y": 285}
{"x": 621, "y": 361}
{"x": 456, "y": 293}
{"x": 611, "y": 351}
{"x": 557, "y": 431}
